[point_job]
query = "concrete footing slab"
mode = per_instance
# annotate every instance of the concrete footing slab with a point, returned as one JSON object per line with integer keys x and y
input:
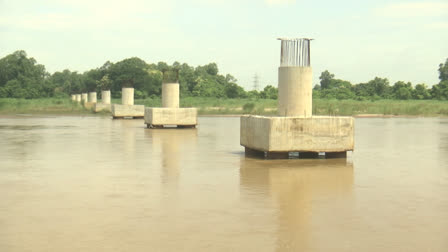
{"x": 99, "y": 107}
{"x": 127, "y": 111}
{"x": 89, "y": 105}
{"x": 180, "y": 117}
{"x": 277, "y": 136}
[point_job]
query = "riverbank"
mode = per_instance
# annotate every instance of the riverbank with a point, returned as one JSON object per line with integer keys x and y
{"x": 213, "y": 106}
{"x": 41, "y": 106}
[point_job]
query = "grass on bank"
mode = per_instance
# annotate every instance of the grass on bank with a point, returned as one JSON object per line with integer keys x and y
{"x": 214, "y": 106}
{"x": 381, "y": 107}
{"x": 41, "y": 106}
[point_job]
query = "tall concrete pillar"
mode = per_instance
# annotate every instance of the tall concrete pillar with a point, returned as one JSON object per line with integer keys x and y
{"x": 78, "y": 97}
{"x": 170, "y": 95}
{"x": 127, "y": 96}
{"x": 295, "y": 91}
{"x": 105, "y": 96}
{"x": 92, "y": 97}
{"x": 84, "y": 97}
{"x": 73, "y": 97}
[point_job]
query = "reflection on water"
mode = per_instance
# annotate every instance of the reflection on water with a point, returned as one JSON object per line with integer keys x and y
{"x": 171, "y": 143}
{"x": 95, "y": 184}
{"x": 295, "y": 186}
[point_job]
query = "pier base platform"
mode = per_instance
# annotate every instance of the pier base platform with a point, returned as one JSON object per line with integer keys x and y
{"x": 276, "y": 137}
{"x": 99, "y": 107}
{"x": 164, "y": 117}
{"x": 127, "y": 111}
{"x": 89, "y": 105}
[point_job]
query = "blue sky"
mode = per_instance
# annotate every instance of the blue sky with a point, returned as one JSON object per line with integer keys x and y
{"x": 355, "y": 40}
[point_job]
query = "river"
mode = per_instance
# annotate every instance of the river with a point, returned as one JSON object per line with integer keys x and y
{"x": 71, "y": 183}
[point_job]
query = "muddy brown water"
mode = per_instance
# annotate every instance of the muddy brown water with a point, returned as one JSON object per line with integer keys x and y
{"x": 96, "y": 184}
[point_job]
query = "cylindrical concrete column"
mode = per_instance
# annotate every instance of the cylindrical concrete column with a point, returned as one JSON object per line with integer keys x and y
{"x": 73, "y": 97}
{"x": 84, "y": 97}
{"x": 78, "y": 97}
{"x": 127, "y": 96}
{"x": 170, "y": 95}
{"x": 295, "y": 91}
{"x": 92, "y": 97}
{"x": 105, "y": 96}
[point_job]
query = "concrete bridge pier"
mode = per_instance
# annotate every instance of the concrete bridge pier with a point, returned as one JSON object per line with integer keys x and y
{"x": 127, "y": 109}
{"x": 170, "y": 114}
{"x": 91, "y": 100}
{"x": 84, "y": 97}
{"x": 127, "y": 96}
{"x": 295, "y": 129}
{"x": 295, "y": 96}
{"x": 92, "y": 97}
{"x": 105, "y": 97}
{"x": 170, "y": 95}
{"x": 104, "y": 105}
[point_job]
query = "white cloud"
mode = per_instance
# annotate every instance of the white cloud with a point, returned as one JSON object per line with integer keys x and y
{"x": 277, "y": 2}
{"x": 414, "y": 9}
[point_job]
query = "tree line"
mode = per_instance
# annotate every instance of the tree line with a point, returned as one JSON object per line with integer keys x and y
{"x": 380, "y": 88}
{"x": 22, "y": 77}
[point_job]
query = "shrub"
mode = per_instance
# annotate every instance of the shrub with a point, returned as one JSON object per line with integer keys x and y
{"x": 248, "y": 107}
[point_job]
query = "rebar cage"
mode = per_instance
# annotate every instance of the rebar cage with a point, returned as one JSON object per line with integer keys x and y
{"x": 295, "y": 52}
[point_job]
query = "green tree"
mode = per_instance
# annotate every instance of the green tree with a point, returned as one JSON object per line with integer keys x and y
{"x": 153, "y": 82}
{"x": 211, "y": 69}
{"x": 91, "y": 79}
{"x": 232, "y": 90}
{"x": 334, "y": 88}
{"x": 207, "y": 87}
{"x": 130, "y": 72}
{"x": 325, "y": 79}
{"x": 440, "y": 91}
{"x": 187, "y": 79}
{"x": 22, "y": 77}
{"x": 380, "y": 86}
{"x": 443, "y": 71}
{"x": 253, "y": 94}
{"x": 269, "y": 92}
{"x": 402, "y": 90}
{"x": 363, "y": 91}
{"x": 421, "y": 92}
{"x": 105, "y": 83}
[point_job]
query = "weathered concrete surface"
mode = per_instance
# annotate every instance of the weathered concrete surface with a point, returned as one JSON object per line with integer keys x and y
{"x": 92, "y": 97}
{"x": 290, "y": 134}
{"x": 73, "y": 97}
{"x": 78, "y": 97}
{"x": 127, "y": 96}
{"x": 119, "y": 110}
{"x": 295, "y": 91}
{"x": 98, "y": 107}
{"x": 171, "y": 116}
{"x": 89, "y": 105}
{"x": 105, "y": 97}
{"x": 170, "y": 95}
{"x": 84, "y": 97}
